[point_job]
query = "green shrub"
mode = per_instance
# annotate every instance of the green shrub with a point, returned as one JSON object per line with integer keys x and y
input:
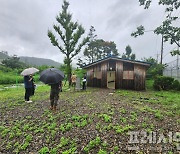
{"x": 176, "y": 85}
{"x": 12, "y": 77}
{"x": 165, "y": 83}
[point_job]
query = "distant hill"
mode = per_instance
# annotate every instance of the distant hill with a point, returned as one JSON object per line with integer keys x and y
{"x": 39, "y": 61}
{"x": 31, "y": 60}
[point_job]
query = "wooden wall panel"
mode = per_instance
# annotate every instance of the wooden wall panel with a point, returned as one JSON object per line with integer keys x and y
{"x": 139, "y": 77}
{"x": 90, "y": 77}
{"x": 128, "y": 84}
{"x": 119, "y": 74}
{"x": 104, "y": 75}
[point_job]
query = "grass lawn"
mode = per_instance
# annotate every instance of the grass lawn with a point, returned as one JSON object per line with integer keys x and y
{"x": 92, "y": 121}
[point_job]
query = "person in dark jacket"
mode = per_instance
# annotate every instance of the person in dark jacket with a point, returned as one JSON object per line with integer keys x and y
{"x": 54, "y": 94}
{"x": 28, "y": 84}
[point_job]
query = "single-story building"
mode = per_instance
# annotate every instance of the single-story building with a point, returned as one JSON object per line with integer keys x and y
{"x": 115, "y": 73}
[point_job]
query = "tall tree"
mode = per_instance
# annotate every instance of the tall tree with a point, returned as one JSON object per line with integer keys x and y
{"x": 70, "y": 34}
{"x": 98, "y": 49}
{"x": 102, "y": 49}
{"x": 168, "y": 29}
{"x": 89, "y": 52}
{"x": 129, "y": 54}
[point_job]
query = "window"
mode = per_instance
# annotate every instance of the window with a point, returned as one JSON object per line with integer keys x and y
{"x": 128, "y": 66}
{"x": 128, "y": 71}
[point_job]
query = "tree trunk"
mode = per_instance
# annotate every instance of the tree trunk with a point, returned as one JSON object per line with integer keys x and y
{"x": 69, "y": 70}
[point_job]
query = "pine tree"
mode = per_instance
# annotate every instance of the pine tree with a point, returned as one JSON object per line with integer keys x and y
{"x": 129, "y": 54}
{"x": 70, "y": 34}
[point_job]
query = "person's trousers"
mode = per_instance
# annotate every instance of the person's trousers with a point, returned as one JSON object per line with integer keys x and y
{"x": 54, "y": 96}
{"x": 27, "y": 94}
{"x": 32, "y": 91}
{"x": 84, "y": 85}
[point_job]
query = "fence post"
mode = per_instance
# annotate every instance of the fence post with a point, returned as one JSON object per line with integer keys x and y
{"x": 16, "y": 79}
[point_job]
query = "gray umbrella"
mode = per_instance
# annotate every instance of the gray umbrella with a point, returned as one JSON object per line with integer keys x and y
{"x": 51, "y": 76}
{"x": 29, "y": 71}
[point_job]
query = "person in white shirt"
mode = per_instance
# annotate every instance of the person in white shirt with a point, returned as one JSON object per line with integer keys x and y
{"x": 84, "y": 82}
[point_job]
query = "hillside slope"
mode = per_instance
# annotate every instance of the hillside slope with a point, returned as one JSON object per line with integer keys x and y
{"x": 39, "y": 61}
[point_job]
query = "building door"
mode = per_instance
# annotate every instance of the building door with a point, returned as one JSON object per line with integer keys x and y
{"x": 111, "y": 79}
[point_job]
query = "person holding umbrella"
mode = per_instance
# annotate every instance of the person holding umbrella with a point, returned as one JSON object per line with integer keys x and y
{"x": 28, "y": 82}
{"x": 53, "y": 77}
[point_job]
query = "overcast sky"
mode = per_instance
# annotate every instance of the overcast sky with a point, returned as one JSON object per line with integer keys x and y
{"x": 24, "y": 25}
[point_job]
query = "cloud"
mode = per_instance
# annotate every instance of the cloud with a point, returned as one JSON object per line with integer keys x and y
{"x": 24, "y": 25}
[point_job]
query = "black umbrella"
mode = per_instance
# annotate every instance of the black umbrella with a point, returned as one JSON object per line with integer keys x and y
{"x": 51, "y": 76}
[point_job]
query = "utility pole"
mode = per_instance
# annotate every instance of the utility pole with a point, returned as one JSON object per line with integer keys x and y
{"x": 178, "y": 64}
{"x": 162, "y": 47}
{"x": 157, "y": 57}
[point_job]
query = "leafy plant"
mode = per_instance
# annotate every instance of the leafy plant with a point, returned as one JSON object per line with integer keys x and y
{"x": 133, "y": 116}
{"x": 92, "y": 144}
{"x": 52, "y": 126}
{"x": 122, "y": 111}
{"x": 70, "y": 151}
{"x": 66, "y": 126}
{"x": 44, "y": 150}
{"x": 101, "y": 151}
{"x": 5, "y": 132}
{"x": 105, "y": 117}
{"x": 24, "y": 146}
{"x": 159, "y": 115}
{"x": 116, "y": 148}
{"x": 122, "y": 129}
{"x": 53, "y": 151}
{"x": 122, "y": 119}
{"x": 11, "y": 135}
{"x": 63, "y": 142}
